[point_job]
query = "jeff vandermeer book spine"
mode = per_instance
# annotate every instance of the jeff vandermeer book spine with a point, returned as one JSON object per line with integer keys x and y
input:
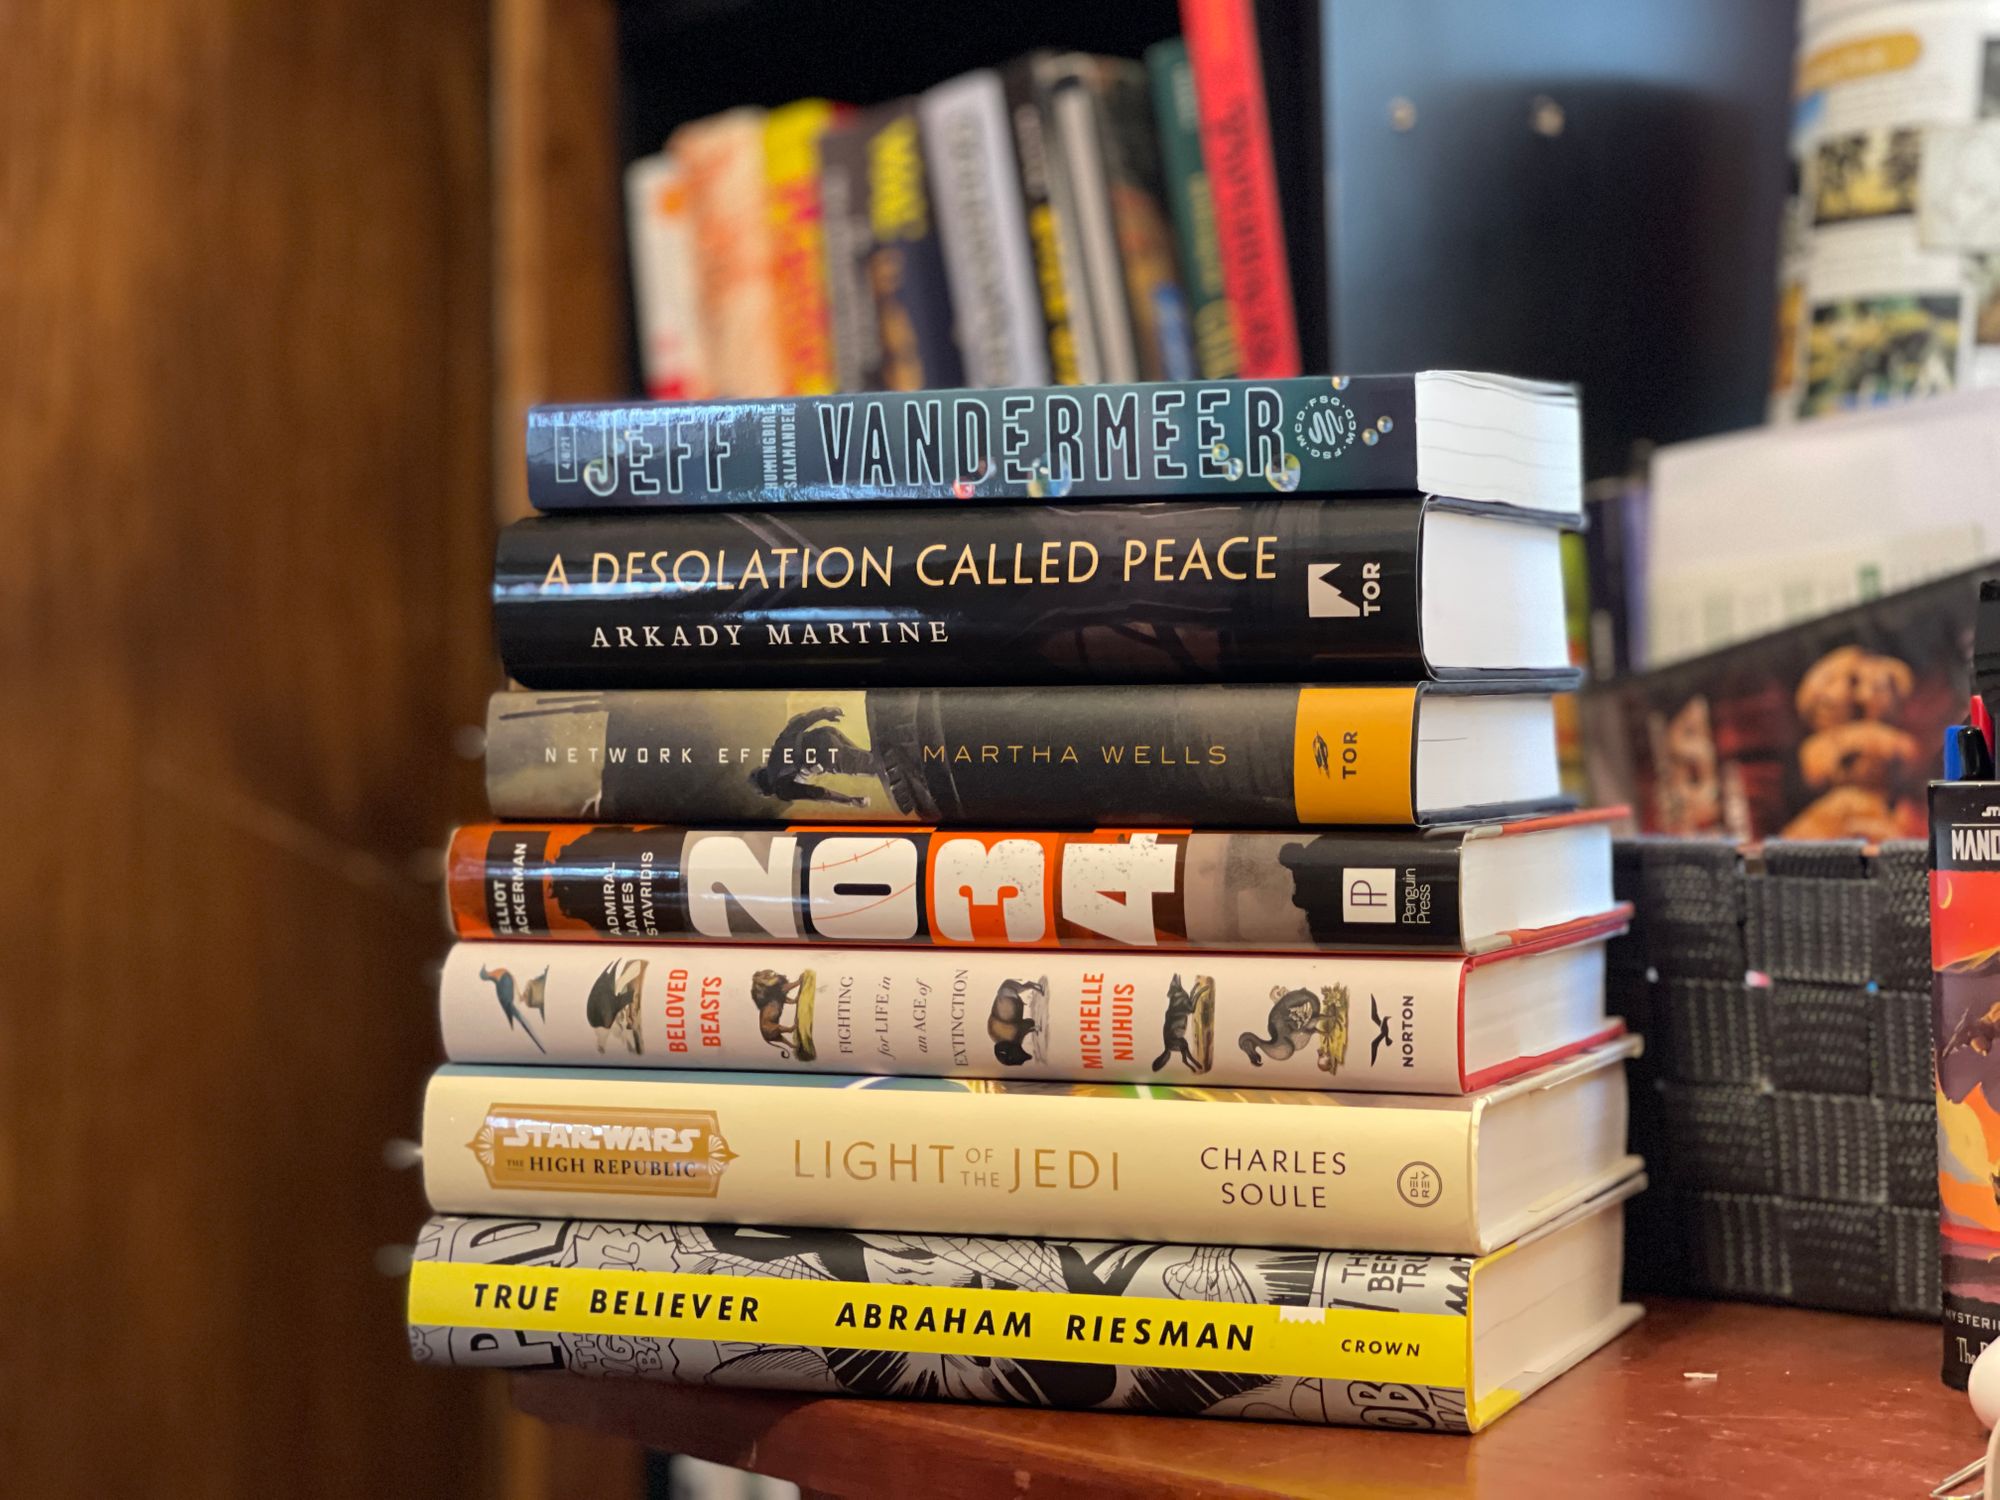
{"x": 1108, "y": 888}
{"x": 1319, "y": 435}
{"x": 975, "y": 1156}
{"x": 1245, "y": 755}
{"x": 1225, "y": 591}
{"x": 1277, "y": 1021}
{"x": 1368, "y": 1339}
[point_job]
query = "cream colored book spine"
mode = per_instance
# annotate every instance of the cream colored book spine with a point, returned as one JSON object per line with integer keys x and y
{"x": 1244, "y": 1167}
{"x": 1311, "y": 1021}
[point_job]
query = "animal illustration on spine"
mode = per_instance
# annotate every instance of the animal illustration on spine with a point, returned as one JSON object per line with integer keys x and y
{"x": 772, "y": 992}
{"x": 1297, "y": 1018}
{"x": 1019, "y": 1018}
{"x": 1333, "y": 1032}
{"x": 505, "y": 992}
{"x": 1189, "y": 1026}
{"x": 535, "y": 994}
{"x": 613, "y": 1005}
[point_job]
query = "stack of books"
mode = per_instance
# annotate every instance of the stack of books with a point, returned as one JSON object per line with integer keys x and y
{"x": 1185, "y": 988}
{"x": 1057, "y": 219}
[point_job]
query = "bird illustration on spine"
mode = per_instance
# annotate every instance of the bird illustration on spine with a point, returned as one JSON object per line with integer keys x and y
{"x": 514, "y": 1000}
{"x": 612, "y": 1007}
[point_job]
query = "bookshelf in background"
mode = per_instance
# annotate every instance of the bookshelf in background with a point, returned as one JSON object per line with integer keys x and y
{"x": 1517, "y": 188}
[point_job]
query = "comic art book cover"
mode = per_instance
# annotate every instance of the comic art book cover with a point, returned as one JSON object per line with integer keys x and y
{"x": 1826, "y": 730}
{"x": 1965, "y": 996}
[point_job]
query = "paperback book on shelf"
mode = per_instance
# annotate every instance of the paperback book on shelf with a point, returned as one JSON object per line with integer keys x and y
{"x": 1436, "y": 1025}
{"x": 1487, "y": 439}
{"x": 906, "y": 266}
{"x": 1227, "y": 755}
{"x": 1100, "y": 122}
{"x": 659, "y": 220}
{"x": 723, "y": 158}
{"x": 1371, "y": 1339}
{"x": 1323, "y": 1170}
{"x": 791, "y": 168}
{"x": 847, "y": 247}
{"x": 1456, "y": 889}
{"x": 969, "y": 147}
{"x": 1348, "y": 590}
{"x": 1191, "y": 194}
{"x": 1228, "y": 67}
{"x": 1072, "y": 353}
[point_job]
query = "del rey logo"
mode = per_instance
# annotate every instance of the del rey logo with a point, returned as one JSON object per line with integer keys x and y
{"x": 676, "y": 1153}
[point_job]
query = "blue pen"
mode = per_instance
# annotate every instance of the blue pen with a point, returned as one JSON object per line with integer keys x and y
{"x": 1954, "y": 757}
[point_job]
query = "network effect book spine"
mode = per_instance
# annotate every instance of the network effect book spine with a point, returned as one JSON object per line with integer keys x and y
{"x": 1229, "y": 756}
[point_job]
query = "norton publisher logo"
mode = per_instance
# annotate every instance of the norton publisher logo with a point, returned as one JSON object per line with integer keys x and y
{"x": 1381, "y": 1030}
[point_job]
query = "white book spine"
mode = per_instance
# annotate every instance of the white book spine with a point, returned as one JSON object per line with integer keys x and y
{"x": 1077, "y": 132}
{"x": 1307, "y": 1021}
{"x": 661, "y": 239}
{"x": 970, "y": 152}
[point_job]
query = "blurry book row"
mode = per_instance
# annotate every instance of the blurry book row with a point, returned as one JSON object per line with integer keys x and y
{"x": 1067, "y": 218}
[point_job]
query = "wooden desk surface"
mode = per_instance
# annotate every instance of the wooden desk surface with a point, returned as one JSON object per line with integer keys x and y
{"x": 1804, "y": 1403}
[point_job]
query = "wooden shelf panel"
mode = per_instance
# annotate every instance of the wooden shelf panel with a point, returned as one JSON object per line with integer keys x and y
{"x": 1802, "y": 1403}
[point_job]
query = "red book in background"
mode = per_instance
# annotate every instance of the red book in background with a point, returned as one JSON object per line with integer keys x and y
{"x": 1236, "y": 143}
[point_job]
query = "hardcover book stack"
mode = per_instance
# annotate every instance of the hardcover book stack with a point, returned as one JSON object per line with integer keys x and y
{"x": 1040, "y": 897}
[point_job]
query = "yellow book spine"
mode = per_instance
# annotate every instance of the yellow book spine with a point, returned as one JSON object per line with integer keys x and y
{"x": 977, "y": 1322}
{"x": 798, "y": 272}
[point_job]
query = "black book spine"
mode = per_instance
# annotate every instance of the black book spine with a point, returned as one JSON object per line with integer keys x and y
{"x": 847, "y": 243}
{"x": 1187, "y": 592}
{"x": 1308, "y": 436}
{"x": 1346, "y": 891}
{"x": 1024, "y": 115}
{"x": 906, "y": 268}
{"x": 1244, "y": 755}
